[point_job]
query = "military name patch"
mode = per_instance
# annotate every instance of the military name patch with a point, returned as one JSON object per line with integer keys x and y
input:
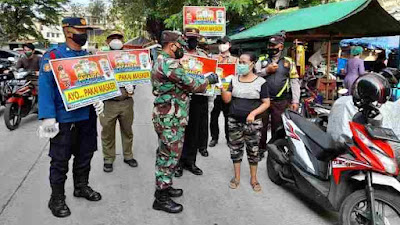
{"x": 46, "y": 67}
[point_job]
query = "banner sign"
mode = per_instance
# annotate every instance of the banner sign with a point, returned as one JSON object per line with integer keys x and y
{"x": 130, "y": 66}
{"x": 211, "y": 21}
{"x": 226, "y": 71}
{"x": 196, "y": 66}
{"x": 85, "y": 80}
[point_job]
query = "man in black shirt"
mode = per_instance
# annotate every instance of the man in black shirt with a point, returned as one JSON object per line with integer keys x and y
{"x": 30, "y": 61}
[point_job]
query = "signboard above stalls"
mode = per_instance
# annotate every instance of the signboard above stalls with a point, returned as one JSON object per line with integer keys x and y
{"x": 211, "y": 21}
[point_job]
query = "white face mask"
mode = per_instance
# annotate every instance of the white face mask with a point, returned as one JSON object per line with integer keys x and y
{"x": 116, "y": 44}
{"x": 223, "y": 47}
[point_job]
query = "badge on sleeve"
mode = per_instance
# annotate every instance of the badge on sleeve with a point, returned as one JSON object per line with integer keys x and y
{"x": 286, "y": 64}
{"x": 46, "y": 67}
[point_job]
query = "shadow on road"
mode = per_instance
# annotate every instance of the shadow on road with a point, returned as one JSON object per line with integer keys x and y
{"x": 327, "y": 215}
{"x": 29, "y": 119}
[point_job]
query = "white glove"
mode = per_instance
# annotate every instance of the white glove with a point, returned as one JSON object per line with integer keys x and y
{"x": 99, "y": 108}
{"x": 129, "y": 88}
{"x": 49, "y": 128}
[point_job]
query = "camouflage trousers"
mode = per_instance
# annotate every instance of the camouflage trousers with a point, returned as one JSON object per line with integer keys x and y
{"x": 241, "y": 133}
{"x": 170, "y": 143}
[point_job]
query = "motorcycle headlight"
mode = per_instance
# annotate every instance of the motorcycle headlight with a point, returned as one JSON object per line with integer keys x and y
{"x": 20, "y": 75}
{"x": 389, "y": 163}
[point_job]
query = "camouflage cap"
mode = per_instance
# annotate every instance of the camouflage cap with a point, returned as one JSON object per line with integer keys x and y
{"x": 168, "y": 36}
{"x": 223, "y": 40}
{"x": 115, "y": 33}
{"x": 192, "y": 32}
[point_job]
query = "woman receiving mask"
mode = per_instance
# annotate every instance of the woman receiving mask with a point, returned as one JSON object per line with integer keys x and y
{"x": 249, "y": 98}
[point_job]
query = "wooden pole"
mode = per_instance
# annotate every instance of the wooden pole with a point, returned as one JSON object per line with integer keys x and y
{"x": 328, "y": 69}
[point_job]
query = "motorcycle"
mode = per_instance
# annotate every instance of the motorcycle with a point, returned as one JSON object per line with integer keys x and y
{"x": 5, "y": 76}
{"x": 356, "y": 178}
{"x": 311, "y": 106}
{"x": 23, "y": 100}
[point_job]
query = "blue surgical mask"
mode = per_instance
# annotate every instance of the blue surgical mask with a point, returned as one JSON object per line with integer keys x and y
{"x": 243, "y": 69}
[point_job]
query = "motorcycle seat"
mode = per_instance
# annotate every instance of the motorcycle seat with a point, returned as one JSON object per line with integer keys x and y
{"x": 327, "y": 147}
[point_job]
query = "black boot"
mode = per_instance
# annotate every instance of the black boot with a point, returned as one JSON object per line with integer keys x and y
{"x": 58, "y": 206}
{"x": 213, "y": 143}
{"x": 164, "y": 203}
{"x": 88, "y": 193}
{"x": 203, "y": 152}
{"x": 192, "y": 168}
{"x": 172, "y": 192}
{"x": 178, "y": 170}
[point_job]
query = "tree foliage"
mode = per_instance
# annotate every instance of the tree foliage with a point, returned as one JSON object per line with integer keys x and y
{"x": 309, "y": 3}
{"x": 77, "y": 9}
{"x": 18, "y": 17}
{"x": 97, "y": 9}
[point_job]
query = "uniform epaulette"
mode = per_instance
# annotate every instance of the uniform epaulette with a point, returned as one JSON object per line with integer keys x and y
{"x": 289, "y": 59}
{"x": 262, "y": 57}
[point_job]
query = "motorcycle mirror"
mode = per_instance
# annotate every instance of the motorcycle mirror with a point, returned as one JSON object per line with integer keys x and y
{"x": 11, "y": 59}
{"x": 343, "y": 91}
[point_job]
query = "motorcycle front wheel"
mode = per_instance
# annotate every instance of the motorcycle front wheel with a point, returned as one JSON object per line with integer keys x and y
{"x": 355, "y": 208}
{"x": 12, "y": 118}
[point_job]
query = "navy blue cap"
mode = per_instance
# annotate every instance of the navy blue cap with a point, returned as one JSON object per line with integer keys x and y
{"x": 278, "y": 38}
{"x": 76, "y": 22}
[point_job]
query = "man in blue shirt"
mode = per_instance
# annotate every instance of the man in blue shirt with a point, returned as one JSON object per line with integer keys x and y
{"x": 71, "y": 133}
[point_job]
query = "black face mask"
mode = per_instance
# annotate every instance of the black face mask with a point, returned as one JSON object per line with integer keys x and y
{"x": 80, "y": 39}
{"x": 273, "y": 51}
{"x": 192, "y": 43}
{"x": 179, "y": 53}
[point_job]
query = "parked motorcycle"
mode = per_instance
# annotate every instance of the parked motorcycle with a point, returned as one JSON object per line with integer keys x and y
{"x": 356, "y": 178}
{"x": 23, "y": 100}
{"x": 310, "y": 104}
{"x": 6, "y": 75}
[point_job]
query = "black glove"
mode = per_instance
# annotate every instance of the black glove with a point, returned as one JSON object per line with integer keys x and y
{"x": 212, "y": 78}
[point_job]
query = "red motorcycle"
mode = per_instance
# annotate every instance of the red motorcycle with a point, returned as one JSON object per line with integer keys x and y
{"x": 23, "y": 100}
{"x": 356, "y": 178}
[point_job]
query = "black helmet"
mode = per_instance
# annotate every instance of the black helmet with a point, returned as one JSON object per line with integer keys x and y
{"x": 369, "y": 88}
{"x": 392, "y": 75}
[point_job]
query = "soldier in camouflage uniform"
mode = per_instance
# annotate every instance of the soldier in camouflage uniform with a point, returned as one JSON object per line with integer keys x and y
{"x": 171, "y": 87}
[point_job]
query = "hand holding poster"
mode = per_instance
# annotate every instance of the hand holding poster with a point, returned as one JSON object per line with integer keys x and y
{"x": 196, "y": 66}
{"x": 211, "y": 21}
{"x": 83, "y": 81}
{"x": 226, "y": 71}
{"x": 130, "y": 66}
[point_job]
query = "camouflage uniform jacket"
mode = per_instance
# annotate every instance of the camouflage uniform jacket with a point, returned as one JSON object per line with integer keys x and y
{"x": 171, "y": 87}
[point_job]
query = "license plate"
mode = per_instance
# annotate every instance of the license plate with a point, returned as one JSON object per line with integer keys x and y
{"x": 382, "y": 133}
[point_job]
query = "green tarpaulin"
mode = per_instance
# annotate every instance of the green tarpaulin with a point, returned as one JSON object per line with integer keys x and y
{"x": 355, "y": 18}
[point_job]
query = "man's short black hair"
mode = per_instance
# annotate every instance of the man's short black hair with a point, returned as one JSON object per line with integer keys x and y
{"x": 29, "y": 45}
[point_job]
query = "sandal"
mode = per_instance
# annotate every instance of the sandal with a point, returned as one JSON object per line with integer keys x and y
{"x": 234, "y": 184}
{"x": 256, "y": 186}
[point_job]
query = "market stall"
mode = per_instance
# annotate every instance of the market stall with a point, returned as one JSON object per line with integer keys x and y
{"x": 327, "y": 23}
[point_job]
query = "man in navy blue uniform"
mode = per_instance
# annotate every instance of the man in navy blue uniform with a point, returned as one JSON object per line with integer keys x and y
{"x": 71, "y": 133}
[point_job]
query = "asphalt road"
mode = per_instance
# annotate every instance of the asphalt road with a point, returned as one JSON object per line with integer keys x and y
{"x": 128, "y": 192}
